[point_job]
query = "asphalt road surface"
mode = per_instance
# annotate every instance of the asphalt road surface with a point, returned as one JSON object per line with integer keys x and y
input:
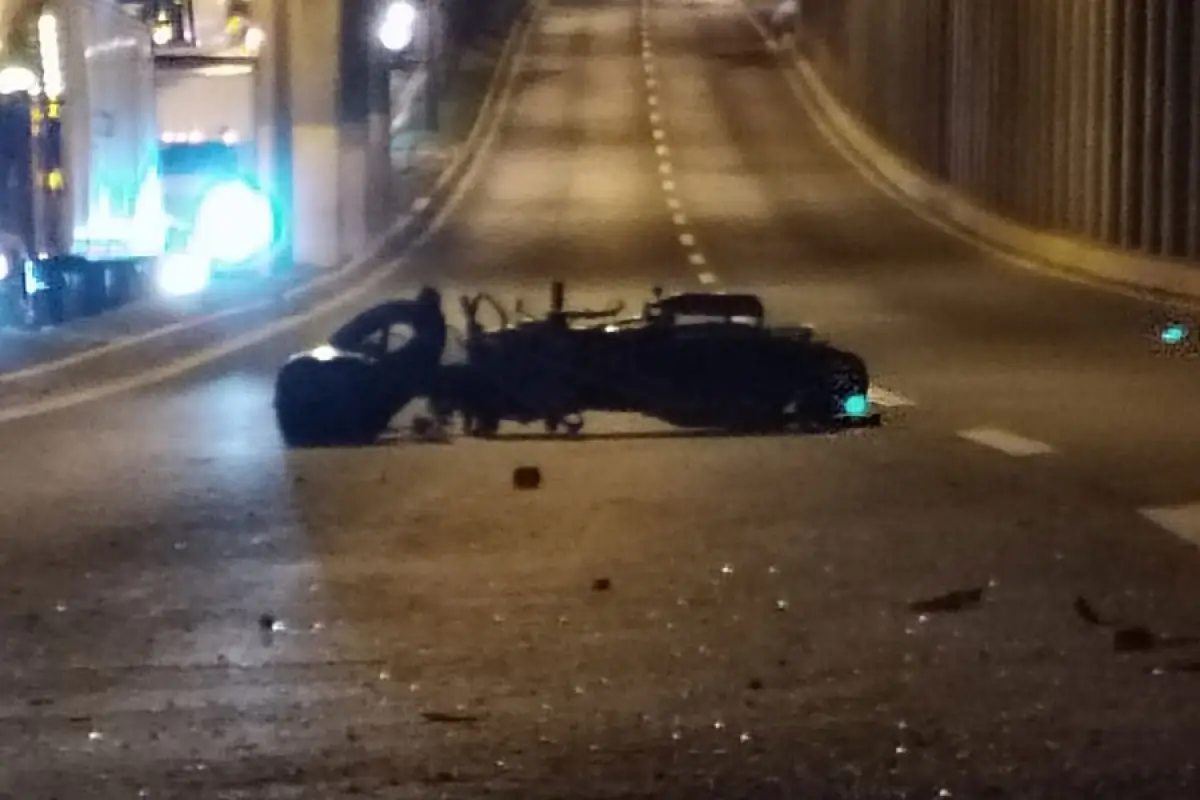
{"x": 191, "y": 611}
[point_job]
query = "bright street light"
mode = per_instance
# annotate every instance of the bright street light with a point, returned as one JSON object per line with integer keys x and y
{"x": 398, "y": 26}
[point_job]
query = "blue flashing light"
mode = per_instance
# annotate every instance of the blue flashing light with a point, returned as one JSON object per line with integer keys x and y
{"x": 234, "y": 223}
{"x": 1173, "y": 333}
{"x": 856, "y": 405}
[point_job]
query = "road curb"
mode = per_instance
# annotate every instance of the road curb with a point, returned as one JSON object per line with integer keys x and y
{"x": 403, "y": 234}
{"x": 951, "y": 210}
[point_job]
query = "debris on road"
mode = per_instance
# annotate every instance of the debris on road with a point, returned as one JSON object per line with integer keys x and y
{"x": 1135, "y": 639}
{"x": 601, "y": 585}
{"x": 959, "y": 600}
{"x": 441, "y": 716}
{"x": 527, "y": 478}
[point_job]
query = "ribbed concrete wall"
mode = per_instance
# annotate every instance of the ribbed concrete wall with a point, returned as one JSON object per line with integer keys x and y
{"x": 1075, "y": 116}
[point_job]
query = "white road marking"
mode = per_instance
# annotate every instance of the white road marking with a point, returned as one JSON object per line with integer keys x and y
{"x": 662, "y": 150}
{"x": 679, "y": 218}
{"x": 659, "y": 134}
{"x": 1008, "y": 443}
{"x": 652, "y": 100}
{"x": 697, "y": 259}
{"x": 420, "y": 204}
{"x": 707, "y": 277}
{"x": 651, "y": 83}
{"x": 374, "y": 276}
{"x": 668, "y": 186}
{"x": 673, "y": 203}
{"x": 664, "y": 168}
{"x": 1182, "y": 521}
{"x": 655, "y": 118}
{"x": 687, "y": 240}
{"x": 649, "y": 67}
{"x": 882, "y": 397}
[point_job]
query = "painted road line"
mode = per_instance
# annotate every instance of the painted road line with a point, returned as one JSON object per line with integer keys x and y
{"x": 1008, "y": 443}
{"x": 674, "y": 204}
{"x": 662, "y": 150}
{"x": 651, "y": 83}
{"x": 679, "y": 218}
{"x": 707, "y": 277}
{"x": 687, "y": 240}
{"x": 882, "y": 397}
{"x": 668, "y": 186}
{"x": 652, "y": 100}
{"x": 697, "y": 259}
{"x": 1182, "y": 521}
{"x": 659, "y": 134}
{"x": 655, "y": 118}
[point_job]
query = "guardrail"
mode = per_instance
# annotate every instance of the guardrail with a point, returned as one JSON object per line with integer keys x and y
{"x": 1080, "y": 117}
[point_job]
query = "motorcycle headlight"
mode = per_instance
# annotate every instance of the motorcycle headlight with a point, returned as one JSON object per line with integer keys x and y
{"x": 234, "y": 223}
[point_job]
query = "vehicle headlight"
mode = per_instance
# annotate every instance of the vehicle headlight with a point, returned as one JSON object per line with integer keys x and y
{"x": 5, "y": 266}
{"x": 234, "y": 223}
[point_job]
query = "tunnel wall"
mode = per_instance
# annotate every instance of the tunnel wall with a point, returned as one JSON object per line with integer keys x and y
{"x": 1079, "y": 117}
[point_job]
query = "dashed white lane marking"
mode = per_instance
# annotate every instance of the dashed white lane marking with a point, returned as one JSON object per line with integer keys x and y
{"x": 707, "y": 277}
{"x": 1008, "y": 443}
{"x": 652, "y": 100}
{"x": 1182, "y": 521}
{"x": 679, "y": 218}
{"x": 649, "y": 67}
{"x": 651, "y": 83}
{"x": 420, "y": 204}
{"x": 664, "y": 168}
{"x": 662, "y": 150}
{"x": 655, "y": 117}
{"x": 697, "y": 259}
{"x": 660, "y": 134}
{"x": 673, "y": 203}
{"x": 882, "y": 397}
{"x": 687, "y": 240}
{"x": 668, "y": 186}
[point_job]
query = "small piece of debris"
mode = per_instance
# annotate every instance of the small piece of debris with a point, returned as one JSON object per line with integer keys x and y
{"x": 1133, "y": 640}
{"x": 1084, "y": 610}
{"x": 266, "y": 622}
{"x": 527, "y": 478}
{"x": 755, "y": 685}
{"x": 601, "y": 585}
{"x": 441, "y": 716}
{"x": 959, "y": 600}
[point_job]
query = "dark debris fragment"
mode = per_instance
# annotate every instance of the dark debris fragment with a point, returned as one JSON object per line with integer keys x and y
{"x": 527, "y": 478}
{"x": 960, "y": 600}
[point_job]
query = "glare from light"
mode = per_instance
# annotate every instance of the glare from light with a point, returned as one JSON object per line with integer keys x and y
{"x": 253, "y": 40}
{"x": 181, "y": 274}
{"x": 233, "y": 224}
{"x": 15, "y": 80}
{"x": 856, "y": 405}
{"x": 324, "y": 353}
{"x": 52, "y": 76}
{"x": 229, "y": 137}
{"x": 398, "y": 27}
{"x": 1174, "y": 333}
{"x": 5, "y": 266}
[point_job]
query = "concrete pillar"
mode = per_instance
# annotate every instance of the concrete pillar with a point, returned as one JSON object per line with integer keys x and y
{"x": 315, "y": 80}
